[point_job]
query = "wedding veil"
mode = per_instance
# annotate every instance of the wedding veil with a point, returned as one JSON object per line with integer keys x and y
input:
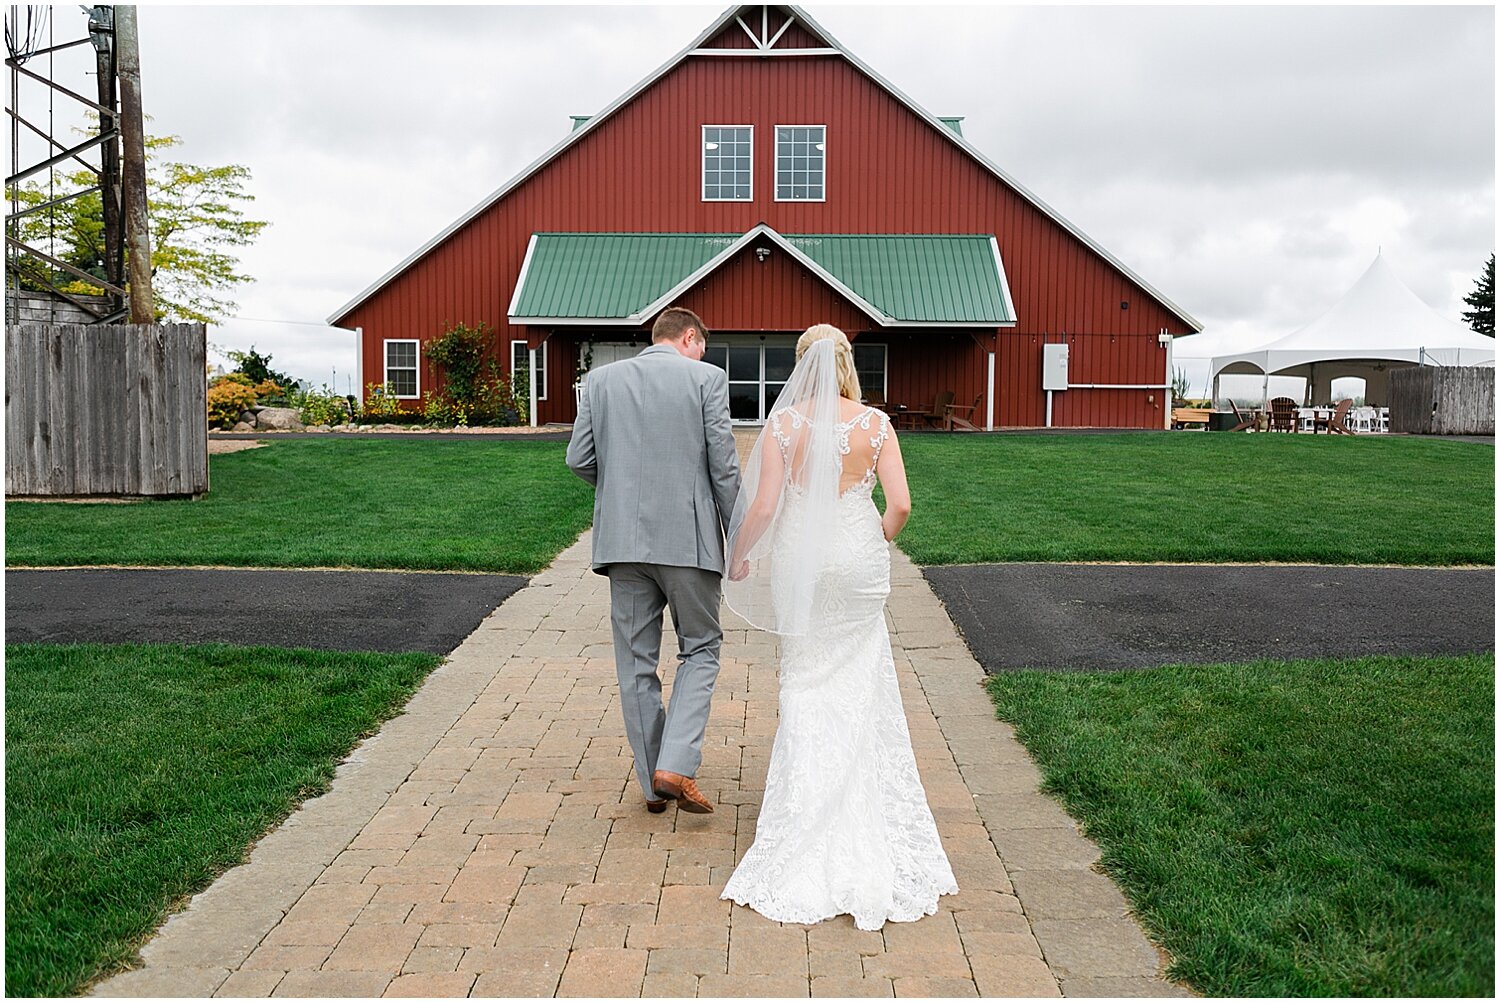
{"x": 785, "y": 520}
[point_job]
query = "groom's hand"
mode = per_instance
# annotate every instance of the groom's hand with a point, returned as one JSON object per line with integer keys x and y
{"x": 739, "y": 572}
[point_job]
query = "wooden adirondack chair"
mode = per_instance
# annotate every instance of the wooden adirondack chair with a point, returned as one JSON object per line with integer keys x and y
{"x": 1240, "y": 421}
{"x": 937, "y": 414}
{"x": 1283, "y": 414}
{"x": 1335, "y": 421}
{"x": 965, "y": 420}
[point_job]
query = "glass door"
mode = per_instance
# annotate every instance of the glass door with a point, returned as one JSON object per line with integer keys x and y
{"x": 757, "y": 371}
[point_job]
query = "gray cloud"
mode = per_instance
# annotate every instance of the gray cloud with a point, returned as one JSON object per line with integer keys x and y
{"x": 1246, "y": 160}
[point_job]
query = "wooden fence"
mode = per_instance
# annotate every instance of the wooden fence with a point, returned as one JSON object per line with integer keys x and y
{"x": 1443, "y": 400}
{"x": 104, "y": 409}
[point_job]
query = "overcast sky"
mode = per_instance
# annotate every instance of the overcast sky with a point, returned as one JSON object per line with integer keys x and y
{"x": 1248, "y": 162}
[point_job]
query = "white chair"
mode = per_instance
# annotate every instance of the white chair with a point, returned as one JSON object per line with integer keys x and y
{"x": 1305, "y": 419}
{"x": 1383, "y": 419}
{"x": 1362, "y": 419}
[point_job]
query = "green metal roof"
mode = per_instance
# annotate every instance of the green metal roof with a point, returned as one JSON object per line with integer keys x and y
{"x": 919, "y": 279}
{"x": 609, "y": 275}
{"x": 899, "y": 279}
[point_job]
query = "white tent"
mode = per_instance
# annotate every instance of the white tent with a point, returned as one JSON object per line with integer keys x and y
{"x": 1378, "y": 324}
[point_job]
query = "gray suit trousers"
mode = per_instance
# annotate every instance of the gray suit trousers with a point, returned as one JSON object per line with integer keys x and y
{"x": 665, "y": 739}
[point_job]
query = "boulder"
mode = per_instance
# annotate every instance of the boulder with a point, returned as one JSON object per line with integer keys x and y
{"x": 282, "y": 418}
{"x": 243, "y": 426}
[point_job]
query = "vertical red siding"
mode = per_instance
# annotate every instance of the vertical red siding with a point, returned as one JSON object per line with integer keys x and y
{"x": 887, "y": 172}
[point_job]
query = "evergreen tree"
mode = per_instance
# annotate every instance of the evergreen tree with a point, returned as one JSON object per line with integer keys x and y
{"x": 1482, "y": 299}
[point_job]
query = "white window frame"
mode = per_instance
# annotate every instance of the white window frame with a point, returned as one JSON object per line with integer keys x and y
{"x": 776, "y": 173}
{"x": 703, "y": 162}
{"x": 885, "y": 367}
{"x": 541, "y": 366}
{"x": 385, "y": 363}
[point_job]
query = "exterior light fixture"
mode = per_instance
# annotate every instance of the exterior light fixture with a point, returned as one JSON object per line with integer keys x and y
{"x": 762, "y": 253}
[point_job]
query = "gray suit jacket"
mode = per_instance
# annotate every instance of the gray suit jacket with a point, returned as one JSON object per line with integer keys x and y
{"x": 653, "y": 437}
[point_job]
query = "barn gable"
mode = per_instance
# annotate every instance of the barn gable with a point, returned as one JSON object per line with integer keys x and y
{"x": 762, "y": 31}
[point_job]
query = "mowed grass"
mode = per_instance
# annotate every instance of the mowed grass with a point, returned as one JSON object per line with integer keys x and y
{"x": 370, "y": 503}
{"x": 1189, "y": 497}
{"x": 134, "y": 774}
{"x": 1305, "y": 828}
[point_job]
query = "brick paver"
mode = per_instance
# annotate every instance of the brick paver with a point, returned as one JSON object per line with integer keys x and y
{"x": 492, "y": 841}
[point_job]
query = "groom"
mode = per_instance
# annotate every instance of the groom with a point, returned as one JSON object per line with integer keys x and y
{"x": 653, "y": 437}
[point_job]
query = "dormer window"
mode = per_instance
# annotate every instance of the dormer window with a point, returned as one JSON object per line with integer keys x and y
{"x": 726, "y": 163}
{"x": 800, "y": 159}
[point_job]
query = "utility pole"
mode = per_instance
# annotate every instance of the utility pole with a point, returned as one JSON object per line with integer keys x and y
{"x": 133, "y": 167}
{"x": 101, "y": 33}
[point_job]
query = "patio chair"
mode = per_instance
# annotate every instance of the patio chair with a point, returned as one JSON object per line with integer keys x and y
{"x": 1283, "y": 414}
{"x": 1335, "y": 421}
{"x": 952, "y": 419}
{"x": 938, "y": 413}
{"x": 1240, "y": 421}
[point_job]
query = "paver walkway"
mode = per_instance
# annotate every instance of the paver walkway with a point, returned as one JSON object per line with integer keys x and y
{"x": 492, "y": 841}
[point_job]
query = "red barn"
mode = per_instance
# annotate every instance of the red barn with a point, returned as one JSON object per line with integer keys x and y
{"x": 768, "y": 179}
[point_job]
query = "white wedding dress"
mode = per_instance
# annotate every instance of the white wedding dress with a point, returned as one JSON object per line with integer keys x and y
{"x": 844, "y": 826}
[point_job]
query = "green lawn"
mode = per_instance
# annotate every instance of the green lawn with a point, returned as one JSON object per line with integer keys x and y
{"x": 1199, "y": 497}
{"x": 336, "y": 502}
{"x": 1308, "y": 828}
{"x": 512, "y": 506}
{"x": 134, "y": 774}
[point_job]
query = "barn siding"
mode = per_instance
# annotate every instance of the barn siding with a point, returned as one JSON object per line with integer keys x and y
{"x": 887, "y": 172}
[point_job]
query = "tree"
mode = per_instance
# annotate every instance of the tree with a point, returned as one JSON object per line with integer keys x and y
{"x": 196, "y": 222}
{"x": 257, "y": 367}
{"x": 1482, "y": 299}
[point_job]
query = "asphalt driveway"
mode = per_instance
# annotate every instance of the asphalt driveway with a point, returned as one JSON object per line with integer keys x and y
{"x": 331, "y": 610}
{"x": 1074, "y": 616}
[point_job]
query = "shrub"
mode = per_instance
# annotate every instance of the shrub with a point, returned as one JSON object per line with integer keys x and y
{"x": 323, "y": 407}
{"x": 381, "y": 402}
{"x": 227, "y": 400}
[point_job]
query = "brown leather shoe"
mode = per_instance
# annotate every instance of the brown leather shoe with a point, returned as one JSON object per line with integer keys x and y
{"x": 656, "y": 807}
{"x": 689, "y": 798}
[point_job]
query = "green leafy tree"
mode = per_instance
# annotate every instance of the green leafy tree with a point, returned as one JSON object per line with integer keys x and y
{"x": 257, "y": 367}
{"x": 197, "y": 221}
{"x": 1482, "y": 299}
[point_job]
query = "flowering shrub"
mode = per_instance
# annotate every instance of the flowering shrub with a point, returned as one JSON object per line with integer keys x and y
{"x": 321, "y": 407}
{"x": 227, "y": 400}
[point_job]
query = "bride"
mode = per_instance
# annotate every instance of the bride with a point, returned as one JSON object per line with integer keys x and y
{"x": 844, "y": 826}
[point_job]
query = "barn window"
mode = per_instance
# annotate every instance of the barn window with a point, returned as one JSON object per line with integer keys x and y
{"x": 401, "y": 367}
{"x": 520, "y": 364}
{"x": 869, "y": 364}
{"x": 800, "y": 157}
{"x": 726, "y": 163}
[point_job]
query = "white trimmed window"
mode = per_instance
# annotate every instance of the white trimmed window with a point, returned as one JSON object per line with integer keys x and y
{"x": 402, "y": 373}
{"x": 519, "y": 363}
{"x": 869, "y": 365}
{"x": 727, "y": 174}
{"x": 800, "y": 161}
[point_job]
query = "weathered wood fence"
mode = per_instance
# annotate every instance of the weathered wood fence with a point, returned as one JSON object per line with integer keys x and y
{"x": 1443, "y": 400}
{"x": 105, "y": 409}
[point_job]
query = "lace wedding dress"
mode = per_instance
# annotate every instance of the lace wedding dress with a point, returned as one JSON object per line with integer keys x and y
{"x": 844, "y": 826}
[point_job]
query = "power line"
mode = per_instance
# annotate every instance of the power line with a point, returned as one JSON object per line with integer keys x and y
{"x": 306, "y": 323}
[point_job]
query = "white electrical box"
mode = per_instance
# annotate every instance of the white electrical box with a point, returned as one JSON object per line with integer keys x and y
{"x": 1055, "y": 366}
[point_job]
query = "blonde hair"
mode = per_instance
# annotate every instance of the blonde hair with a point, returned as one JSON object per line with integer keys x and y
{"x": 843, "y": 356}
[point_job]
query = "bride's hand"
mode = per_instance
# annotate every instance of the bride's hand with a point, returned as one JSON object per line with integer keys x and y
{"x": 739, "y": 572}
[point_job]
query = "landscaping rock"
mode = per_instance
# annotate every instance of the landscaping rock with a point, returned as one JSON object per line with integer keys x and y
{"x": 318, "y": 428}
{"x": 283, "y": 418}
{"x": 243, "y": 426}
